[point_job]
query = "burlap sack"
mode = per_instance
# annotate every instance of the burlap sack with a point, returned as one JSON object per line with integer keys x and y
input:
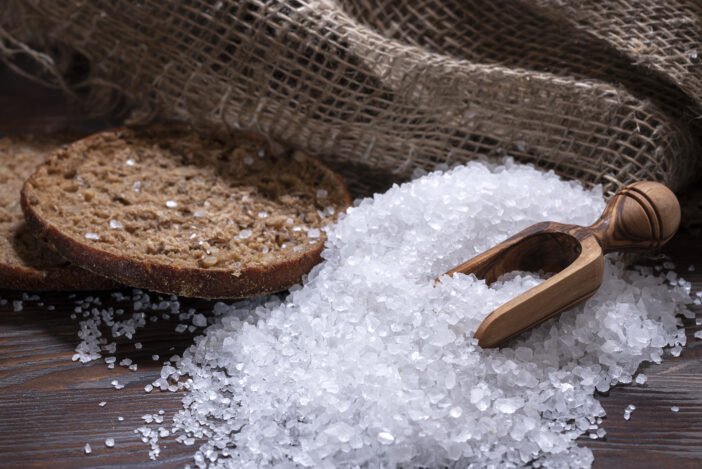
{"x": 603, "y": 91}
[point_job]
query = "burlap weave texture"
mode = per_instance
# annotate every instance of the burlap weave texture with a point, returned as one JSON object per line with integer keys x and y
{"x": 603, "y": 91}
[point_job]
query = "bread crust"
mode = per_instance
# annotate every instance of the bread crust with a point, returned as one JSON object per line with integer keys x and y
{"x": 185, "y": 281}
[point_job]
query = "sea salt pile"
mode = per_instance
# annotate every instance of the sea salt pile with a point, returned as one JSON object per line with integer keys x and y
{"x": 368, "y": 364}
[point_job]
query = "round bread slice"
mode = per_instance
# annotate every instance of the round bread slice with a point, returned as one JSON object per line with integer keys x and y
{"x": 25, "y": 262}
{"x": 179, "y": 212}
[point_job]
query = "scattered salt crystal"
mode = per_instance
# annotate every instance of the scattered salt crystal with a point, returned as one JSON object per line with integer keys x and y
{"x": 698, "y": 335}
{"x": 675, "y": 408}
{"x": 200, "y": 320}
{"x": 148, "y": 388}
{"x": 136, "y": 187}
{"x": 110, "y": 442}
{"x": 125, "y": 362}
{"x": 102, "y": 404}
{"x": 17, "y": 306}
{"x": 321, "y": 194}
{"x": 171, "y": 204}
{"x": 313, "y": 233}
{"x": 137, "y": 345}
{"x": 131, "y": 162}
{"x": 691, "y": 268}
{"x": 262, "y": 214}
{"x": 154, "y": 357}
{"x": 199, "y": 214}
{"x": 640, "y": 378}
{"x": 120, "y": 418}
{"x": 116, "y": 384}
{"x": 87, "y": 448}
{"x": 92, "y": 236}
{"x": 693, "y": 55}
{"x": 133, "y": 367}
{"x": 116, "y": 224}
{"x": 180, "y": 328}
{"x": 245, "y": 234}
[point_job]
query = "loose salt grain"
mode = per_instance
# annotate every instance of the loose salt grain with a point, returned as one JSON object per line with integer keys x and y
{"x": 110, "y": 442}
{"x": 675, "y": 408}
{"x": 368, "y": 362}
{"x": 87, "y": 448}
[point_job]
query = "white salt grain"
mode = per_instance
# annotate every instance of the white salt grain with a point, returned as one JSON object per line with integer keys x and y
{"x": 200, "y": 320}
{"x": 245, "y": 234}
{"x": 110, "y": 442}
{"x": 87, "y": 448}
{"x": 675, "y": 408}
{"x": 102, "y": 404}
{"x": 92, "y": 236}
{"x": 131, "y": 162}
{"x": 171, "y": 204}
{"x": 116, "y": 224}
{"x": 698, "y": 335}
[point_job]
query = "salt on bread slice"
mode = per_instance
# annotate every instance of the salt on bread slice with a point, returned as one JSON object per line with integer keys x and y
{"x": 185, "y": 213}
{"x": 25, "y": 262}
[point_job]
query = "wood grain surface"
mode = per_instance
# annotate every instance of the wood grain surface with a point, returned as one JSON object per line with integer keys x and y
{"x": 49, "y": 404}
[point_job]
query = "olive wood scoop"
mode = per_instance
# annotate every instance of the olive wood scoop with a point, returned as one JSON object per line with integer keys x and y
{"x": 640, "y": 217}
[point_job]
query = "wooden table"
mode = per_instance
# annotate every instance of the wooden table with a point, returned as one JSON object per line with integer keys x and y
{"x": 49, "y": 405}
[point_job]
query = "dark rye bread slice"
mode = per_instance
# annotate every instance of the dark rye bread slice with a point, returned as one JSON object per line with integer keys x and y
{"x": 185, "y": 213}
{"x": 25, "y": 262}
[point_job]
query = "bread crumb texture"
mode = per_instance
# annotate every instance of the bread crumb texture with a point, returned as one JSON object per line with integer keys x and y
{"x": 176, "y": 198}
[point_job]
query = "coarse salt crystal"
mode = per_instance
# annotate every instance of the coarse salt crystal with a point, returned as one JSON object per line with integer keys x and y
{"x": 92, "y": 236}
{"x": 116, "y": 224}
{"x": 245, "y": 234}
{"x": 131, "y": 162}
{"x": 110, "y": 442}
{"x": 87, "y": 448}
{"x": 171, "y": 204}
{"x": 385, "y": 438}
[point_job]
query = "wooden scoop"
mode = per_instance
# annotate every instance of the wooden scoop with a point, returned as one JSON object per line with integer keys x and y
{"x": 640, "y": 217}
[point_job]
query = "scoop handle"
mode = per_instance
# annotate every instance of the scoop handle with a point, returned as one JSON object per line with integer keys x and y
{"x": 639, "y": 217}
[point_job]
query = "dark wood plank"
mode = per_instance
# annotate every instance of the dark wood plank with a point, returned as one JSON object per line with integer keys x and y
{"x": 49, "y": 404}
